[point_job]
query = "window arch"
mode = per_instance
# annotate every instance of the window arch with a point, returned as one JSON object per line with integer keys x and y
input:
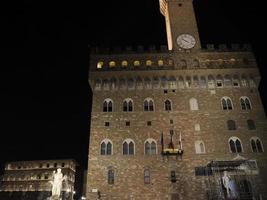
{"x": 244, "y": 81}
{"x": 100, "y": 65}
{"x": 128, "y": 147}
{"x": 235, "y": 145}
{"x": 251, "y": 125}
{"x": 128, "y": 105}
{"x": 160, "y": 63}
{"x": 148, "y": 63}
{"x": 150, "y": 147}
{"x": 200, "y": 147}
{"x": 124, "y": 63}
{"x": 226, "y": 103}
{"x": 111, "y": 176}
{"x": 193, "y": 104}
{"x": 245, "y": 103}
{"x": 106, "y": 147}
{"x": 256, "y": 145}
{"x": 137, "y": 63}
{"x": 148, "y": 104}
{"x": 231, "y": 125}
{"x": 167, "y": 105}
{"x": 107, "y": 105}
{"x": 146, "y": 176}
{"x": 112, "y": 64}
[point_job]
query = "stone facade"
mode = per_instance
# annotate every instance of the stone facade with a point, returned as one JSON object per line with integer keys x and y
{"x": 33, "y": 178}
{"x": 196, "y": 82}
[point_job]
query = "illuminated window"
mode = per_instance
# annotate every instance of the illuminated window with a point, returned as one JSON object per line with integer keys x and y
{"x": 137, "y": 63}
{"x": 124, "y": 63}
{"x": 235, "y": 145}
{"x": 219, "y": 81}
{"x": 232, "y": 61}
{"x": 148, "y": 63}
{"x": 244, "y": 81}
{"x": 112, "y": 64}
{"x": 99, "y": 65}
{"x": 160, "y": 63}
{"x": 236, "y": 81}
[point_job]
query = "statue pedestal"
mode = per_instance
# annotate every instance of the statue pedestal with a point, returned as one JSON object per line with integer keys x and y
{"x": 55, "y": 198}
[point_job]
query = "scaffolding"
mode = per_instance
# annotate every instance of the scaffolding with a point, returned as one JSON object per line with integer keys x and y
{"x": 243, "y": 173}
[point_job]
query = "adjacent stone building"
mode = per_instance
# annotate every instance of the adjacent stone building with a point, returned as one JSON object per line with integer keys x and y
{"x": 169, "y": 122}
{"x": 31, "y": 179}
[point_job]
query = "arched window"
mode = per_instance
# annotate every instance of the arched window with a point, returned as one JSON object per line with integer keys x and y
{"x": 106, "y": 147}
{"x": 124, "y": 63}
{"x": 112, "y": 64}
{"x": 168, "y": 105}
{"x": 226, "y": 103}
{"x": 256, "y": 145}
{"x": 99, "y": 65}
{"x": 137, "y": 63}
{"x": 193, "y": 104}
{"x": 231, "y": 125}
{"x": 251, "y": 125}
{"x": 150, "y": 147}
{"x": 160, "y": 63}
{"x": 148, "y": 63}
{"x": 148, "y": 104}
{"x": 245, "y": 103}
{"x": 128, "y": 147}
{"x": 110, "y": 176}
{"x": 200, "y": 147}
{"x": 146, "y": 176}
{"x": 107, "y": 105}
{"x": 128, "y": 105}
{"x": 235, "y": 145}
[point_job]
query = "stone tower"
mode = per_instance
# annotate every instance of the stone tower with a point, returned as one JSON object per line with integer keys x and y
{"x": 168, "y": 123}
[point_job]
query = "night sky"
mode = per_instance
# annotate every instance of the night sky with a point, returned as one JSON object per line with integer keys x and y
{"x": 46, "y": 99}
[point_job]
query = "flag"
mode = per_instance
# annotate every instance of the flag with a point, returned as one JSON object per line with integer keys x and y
{"x": 161, "y": 139}
{"x": 180, "y": 141}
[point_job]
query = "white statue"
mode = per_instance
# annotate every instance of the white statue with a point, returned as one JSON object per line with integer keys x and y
{"x": 226, "y": 181}
{"x": 57, "y": 183}
{"x": 230, "y": 186}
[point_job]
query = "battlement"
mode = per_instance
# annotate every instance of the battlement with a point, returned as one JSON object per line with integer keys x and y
{"x": 164, "y": 49}
{"x": 129, "y": 49}
{"x": 227, "y": 47}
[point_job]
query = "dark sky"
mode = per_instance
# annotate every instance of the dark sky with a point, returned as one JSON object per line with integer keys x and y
{"x": 44, "y": 90}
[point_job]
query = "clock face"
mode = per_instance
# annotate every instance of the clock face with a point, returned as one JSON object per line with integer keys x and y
{"x": 186, "y": 41}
